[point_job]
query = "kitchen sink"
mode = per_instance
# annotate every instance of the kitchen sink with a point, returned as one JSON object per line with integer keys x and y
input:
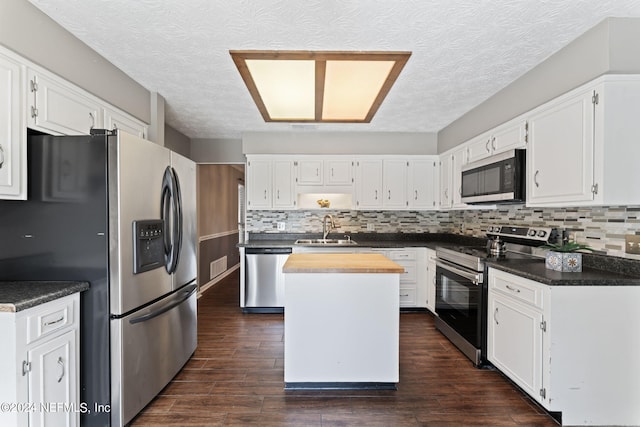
{"x": 326, "y": 242}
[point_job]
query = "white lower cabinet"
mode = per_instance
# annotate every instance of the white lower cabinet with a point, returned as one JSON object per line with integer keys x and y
{"x": 39, "y": 383}
{"x": 413, "y": 282}
{"x": 431, "y": 280}
{"x": 574, "y": 349}
{"x": 515, "y": 338}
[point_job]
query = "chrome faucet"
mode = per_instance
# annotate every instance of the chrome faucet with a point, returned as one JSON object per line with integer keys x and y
{"x": 327, "y": 228}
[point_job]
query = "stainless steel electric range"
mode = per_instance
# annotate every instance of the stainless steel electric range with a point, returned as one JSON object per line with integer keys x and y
{"x": 461, "y": 285}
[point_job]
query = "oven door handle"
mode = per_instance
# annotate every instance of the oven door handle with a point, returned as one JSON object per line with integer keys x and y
{"x": 475, "y": 277}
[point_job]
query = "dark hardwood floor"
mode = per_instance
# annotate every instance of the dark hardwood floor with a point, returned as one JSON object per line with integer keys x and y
{"x": 235, "y": 378}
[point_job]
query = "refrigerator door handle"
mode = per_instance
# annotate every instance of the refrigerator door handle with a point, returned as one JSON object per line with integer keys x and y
{"x": 177, "y": 218}
{"x": 171, "y": 214}
{"x": 180, "y": 297}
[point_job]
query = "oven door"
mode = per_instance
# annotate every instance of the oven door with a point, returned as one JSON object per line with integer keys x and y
{"x": 459, "y": 300}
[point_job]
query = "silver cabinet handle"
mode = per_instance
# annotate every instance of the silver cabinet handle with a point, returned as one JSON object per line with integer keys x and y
{"x": 1, "y": 156}
{"x": 535, "y": 179}
{"x": 61, "y": 364}
{"x": 389, "y": 195}
{"x": 493, "y": 143}
{"x": 265, "y": 194}
{"x": 512, "y": 289}
{"x": 376, "y": 194}
{"x": 278, "y": 195}
{"x": 416, "y": 196}
{"x": 53, "y": 322}
{"x": 495, "y": 316}
{"x": 487, "y": 146}
{"x": 93, "y": 121}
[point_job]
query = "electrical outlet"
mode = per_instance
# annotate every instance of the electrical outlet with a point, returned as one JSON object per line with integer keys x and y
{"x": 371, "y": 227}
{"x": 281, "y": 226}
{"x": 632, "y": 244}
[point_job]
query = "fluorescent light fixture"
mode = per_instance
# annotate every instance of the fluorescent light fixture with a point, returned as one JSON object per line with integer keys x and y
{"x": 306, "y": 86}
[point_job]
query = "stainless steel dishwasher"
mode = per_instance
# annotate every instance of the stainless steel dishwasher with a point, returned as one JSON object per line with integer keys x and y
{"x": 264, "y": 279}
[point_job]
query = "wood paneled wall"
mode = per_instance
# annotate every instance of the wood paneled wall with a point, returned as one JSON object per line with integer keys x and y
{"x": 217, "y": 216}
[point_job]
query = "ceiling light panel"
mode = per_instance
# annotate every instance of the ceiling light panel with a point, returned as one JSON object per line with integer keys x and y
{"x": 287, "y": 87}
{"x": 351, "y": 87}
{"x": 307, "y": 86}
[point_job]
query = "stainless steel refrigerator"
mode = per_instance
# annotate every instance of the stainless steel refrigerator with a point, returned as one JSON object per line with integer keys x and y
{"x": 120, "y": 213}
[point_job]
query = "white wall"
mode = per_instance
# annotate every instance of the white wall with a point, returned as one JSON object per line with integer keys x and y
{"x": 217, "y": 151}
{"x": 313, "y": 142}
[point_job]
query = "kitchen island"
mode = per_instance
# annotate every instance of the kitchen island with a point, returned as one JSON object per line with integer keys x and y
{"x": 341, "y": 321}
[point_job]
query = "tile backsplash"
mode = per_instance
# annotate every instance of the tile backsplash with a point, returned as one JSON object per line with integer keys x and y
{"x": 602, "y": 228}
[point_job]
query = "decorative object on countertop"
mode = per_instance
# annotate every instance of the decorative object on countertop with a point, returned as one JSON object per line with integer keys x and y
{"x": 563, "y": 257}
{"x": 324, "y": 203}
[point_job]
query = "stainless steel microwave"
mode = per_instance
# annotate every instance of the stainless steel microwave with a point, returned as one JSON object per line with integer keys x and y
{"x": 496, "y": 179}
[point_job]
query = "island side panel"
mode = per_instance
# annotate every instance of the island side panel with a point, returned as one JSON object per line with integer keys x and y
{"x": 341, "y": 327}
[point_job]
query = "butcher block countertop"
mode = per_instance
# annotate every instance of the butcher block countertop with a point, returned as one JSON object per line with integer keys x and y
{"x": 340, "y": 263}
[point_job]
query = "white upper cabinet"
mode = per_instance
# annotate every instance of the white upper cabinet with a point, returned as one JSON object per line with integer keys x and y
{"x": 369, "y": 183}
{"x": 451, "y": 164}
{"x": 58, "y": 107}
{"x": 310, "y": 172}
{"x": 116, "y": 119}
{"x": 13, "y": 144}
{"x": 394, "y": 183}
{"x": 422, "y": 183}
{"x": 283, "y": 184}
{"x": 508, "y": 136}
{"x": 446, "y": 166}
{"x": 561, "y": 152}
{"x": 583, "y": 147}
{"x": 338, "y": 171}
{"x": 259, "y": 184}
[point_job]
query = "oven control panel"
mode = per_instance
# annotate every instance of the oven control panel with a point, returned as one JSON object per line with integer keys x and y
{"x": 532, "y": 235}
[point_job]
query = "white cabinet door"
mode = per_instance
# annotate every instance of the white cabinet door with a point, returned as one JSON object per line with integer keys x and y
{"x": 369, "y": 183}
{"x": 259, "y": 184}
{"x": 394, "y": 172}
{"x": 509, "y": 136}
{"x": 310, "y": 172}
{"x": 53, "y": 379}
{"x": 514, "y": 342}
{"x": 13, "y": 144}
{"x": 283, "y": 184}
{"x": 60, "y": 108}
{"x": 561, "y": 153}
{"x": 446, "y": 166}
{"x": 479, "y": 148}
{"x": 118, "y": 120}
{"x": 431, "y": 280}
{"x": 338, "y": 172}
{"x": 458, "y": 159}
{"x": 422, "y": 183}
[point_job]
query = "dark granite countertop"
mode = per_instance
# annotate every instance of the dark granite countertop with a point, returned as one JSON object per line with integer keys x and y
{"x": 598, "y": 269}
{"x": 535, "y": 269}
{"x": 18, "y": 296}
{"x": 366, "y": 240}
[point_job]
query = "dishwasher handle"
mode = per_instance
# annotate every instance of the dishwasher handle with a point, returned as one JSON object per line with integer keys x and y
{"x": 267, "y": 251}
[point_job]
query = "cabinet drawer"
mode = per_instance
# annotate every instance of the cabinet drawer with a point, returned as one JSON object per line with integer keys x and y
{"x": 410, "y": 272}
{"x": 517, "y": 288}
{"x": 399, "y": 255}
{"x": 408, "y": 297}
{"x": 49, "y": 318}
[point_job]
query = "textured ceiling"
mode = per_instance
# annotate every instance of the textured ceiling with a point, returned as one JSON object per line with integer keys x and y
{"x": 464, "y": 51}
